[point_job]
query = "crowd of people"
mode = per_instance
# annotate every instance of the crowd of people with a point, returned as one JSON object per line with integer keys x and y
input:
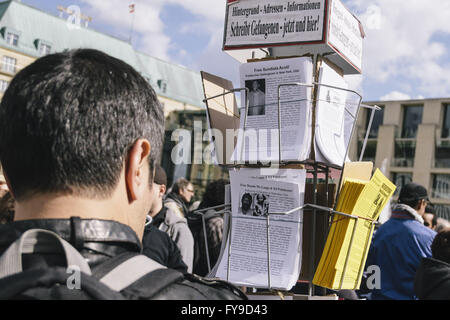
{"x": 80, "y": 137}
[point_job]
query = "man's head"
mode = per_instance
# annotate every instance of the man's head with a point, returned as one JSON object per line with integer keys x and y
{"x": 214, "y": 194}
{"x": 184, "y": 189}
{"x": 246, "y": 201}
{"x": 415, "y": 196}
{"x": 428, "y": 219}
{"x": 441, "y": 224}
{"x": 77, "y": 124}
{"x": 3, "y": 185}
{"x": 440, "y": 248}
{"x": 159, "y": 190}
{"x": 261, "y": 198}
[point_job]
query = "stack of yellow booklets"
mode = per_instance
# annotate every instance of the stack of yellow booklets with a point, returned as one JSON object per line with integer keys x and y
{"x": 349, "y": 239}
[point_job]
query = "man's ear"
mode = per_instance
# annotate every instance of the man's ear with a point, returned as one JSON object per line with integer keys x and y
{"x": 421, "y": 205}
{"x": 162, "y": 190}
{"x": 135, "y": 168}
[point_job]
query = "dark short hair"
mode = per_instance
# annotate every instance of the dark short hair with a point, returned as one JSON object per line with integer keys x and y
{"x": 440, "y": 247}
{"x": 180, "y": 184}
{"x": 160, "y": 175}
{"x": 68, "y": 120}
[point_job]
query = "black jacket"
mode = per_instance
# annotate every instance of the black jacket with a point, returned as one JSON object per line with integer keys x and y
{"x": 432, "y": 281}
{"x": 98, "y": 241}
{"x": 158, "y": 246}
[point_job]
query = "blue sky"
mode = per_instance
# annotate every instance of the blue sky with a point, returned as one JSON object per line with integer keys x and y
{"x": 406, "y": 51}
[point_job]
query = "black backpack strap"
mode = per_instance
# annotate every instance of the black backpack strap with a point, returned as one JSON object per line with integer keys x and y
{"x": 51, "y": 283}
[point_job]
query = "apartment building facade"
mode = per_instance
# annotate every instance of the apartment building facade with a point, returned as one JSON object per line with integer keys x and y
{"x": 411, "y": 140}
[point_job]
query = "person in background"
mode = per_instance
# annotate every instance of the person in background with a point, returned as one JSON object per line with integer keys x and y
{"x": 429, "y": 217}
{"x": 167, "y": 220}
{"x": 400, "y": 244}
{"x": 158, "y": 246}
{"x": 6, "y": 208}
{"x": 432, "y": 281}
{"x": 441, "y": 224}
{"x": 180, "y": 197}
{"x": 214, "y": 196}
{"x": 3, "y": 185}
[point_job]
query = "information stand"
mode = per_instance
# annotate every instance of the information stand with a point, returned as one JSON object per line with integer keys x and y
{"x": 323, "y": 39}
{"x": 313, "y": 167}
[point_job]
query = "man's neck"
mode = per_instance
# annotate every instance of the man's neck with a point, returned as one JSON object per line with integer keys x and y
{"x": 157, "y": 208}
{"x": 64, "y": 207}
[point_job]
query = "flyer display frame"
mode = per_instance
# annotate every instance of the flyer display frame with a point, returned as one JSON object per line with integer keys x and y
{"x": 317, "y": 168}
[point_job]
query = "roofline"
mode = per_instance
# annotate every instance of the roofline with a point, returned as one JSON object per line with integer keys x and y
{"x": 406, "y": 101}
{"x": 101, "y": 33}
{"x": 7, "y": 3}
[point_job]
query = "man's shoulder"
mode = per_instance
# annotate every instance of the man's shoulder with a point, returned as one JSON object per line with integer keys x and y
{"x": 173, "y": 216}
{"x": 172, "y": 204}
{"x": 8, "y": 234}
{"x": 425, "y": 232}
{"x": 405, "y": 227}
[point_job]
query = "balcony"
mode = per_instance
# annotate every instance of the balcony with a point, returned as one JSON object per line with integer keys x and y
{"x": 370, "y": 151}
{"x": 405, "y": 151}
{"x": 442, "y": 153}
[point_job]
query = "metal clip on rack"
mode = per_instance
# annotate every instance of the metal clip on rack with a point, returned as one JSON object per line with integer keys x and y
{"x": 318, "y": 167}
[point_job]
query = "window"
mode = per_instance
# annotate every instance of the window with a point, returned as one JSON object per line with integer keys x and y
{"x": 405, "y": 152}
{"x": 446, "y": 124}
{"x": 44, "y": 49}
{"x": 12, "y": 39}
{"x": 405, "y": 145}
{"x": 9, "y": 64}
{"x": 3, "y": 85}
{"x": 412, "y": 117}
{"x": 162, "y": 84}
{"x": 376, "y": 123}
{"x": 400, "y": 179}
{"x": 441, "y": 186}
{"x": 370, "y": 152}
{"x": 442, "y": 211}
{"x": 442, "y": 150}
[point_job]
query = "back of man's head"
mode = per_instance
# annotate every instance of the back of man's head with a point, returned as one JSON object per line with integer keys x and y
{"x": 440, "y": 247}
{"x": 412, "y": 193}
{"x": 441, "y": 224}
{"x": 68, "y": 120}
{"x": 214, "y": 194}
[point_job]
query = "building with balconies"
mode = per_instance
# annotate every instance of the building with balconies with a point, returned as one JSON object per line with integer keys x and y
{"x": 411, "y": 140}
